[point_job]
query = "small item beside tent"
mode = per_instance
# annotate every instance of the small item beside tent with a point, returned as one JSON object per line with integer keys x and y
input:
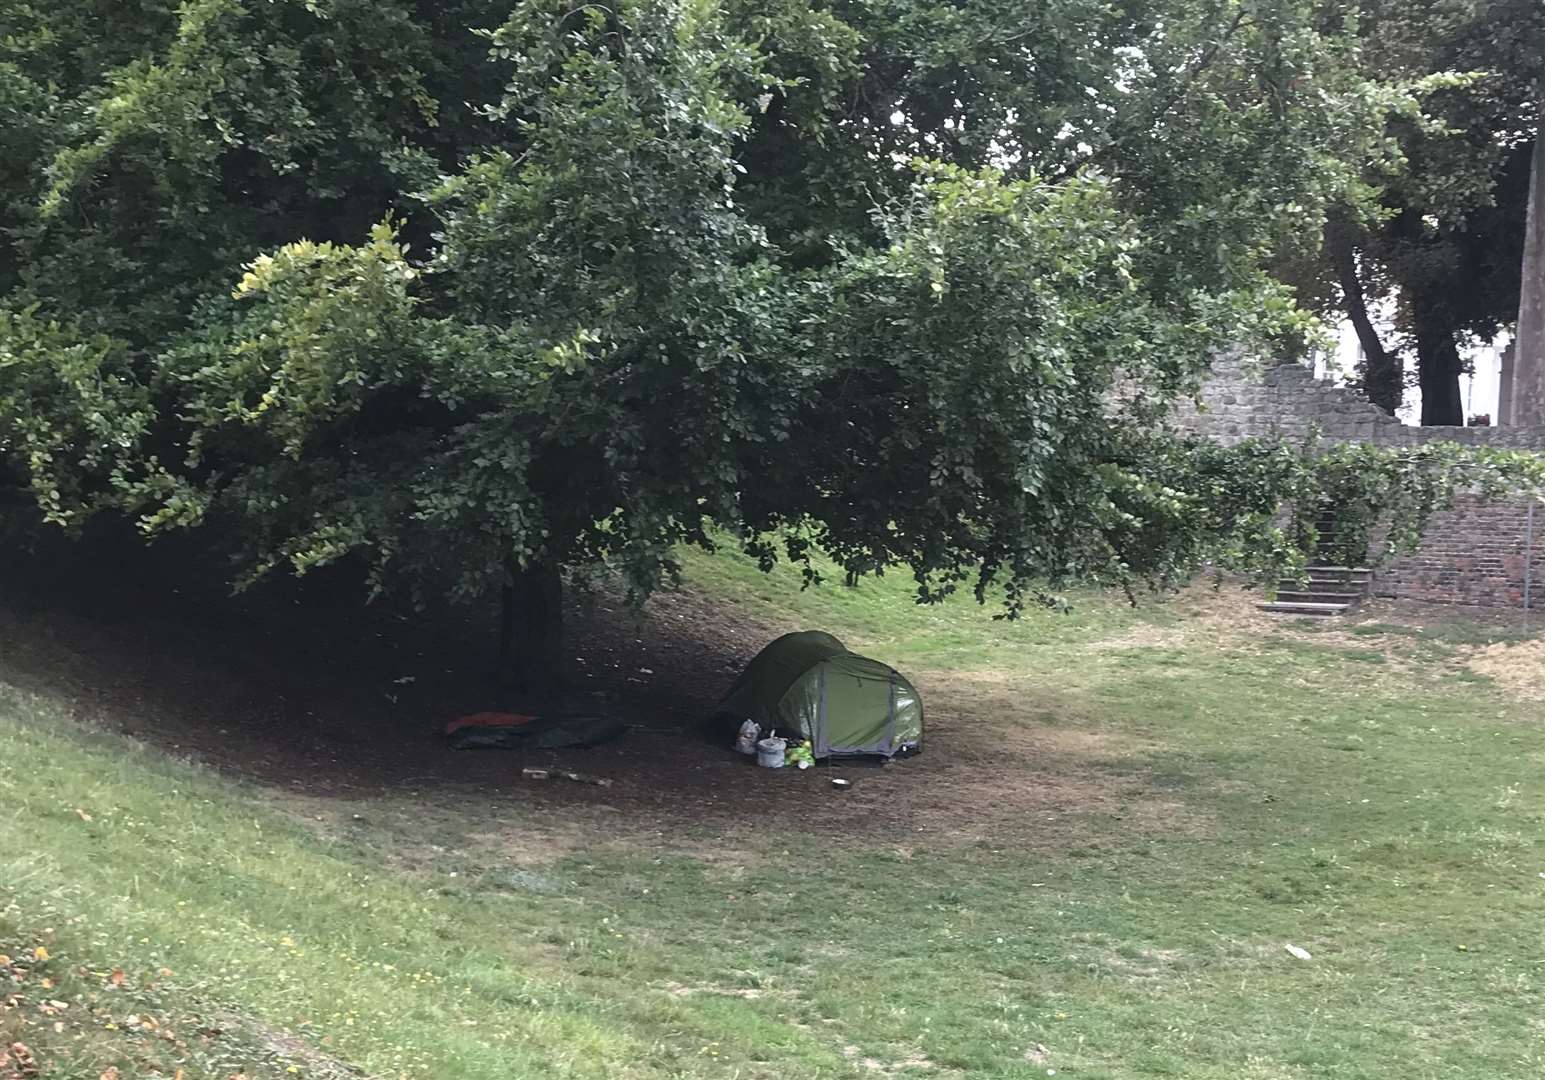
{"x": 769, "y": 752}
{"x": 745, "y": 742}
{"x": 809, "y": 686}
{"x": 516, "y": 731}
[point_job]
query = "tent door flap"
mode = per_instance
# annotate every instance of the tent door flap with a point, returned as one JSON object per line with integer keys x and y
{"x": 820, "y": 735}
{"x": 859, "y": 714}
{"x": 890, "y": 717}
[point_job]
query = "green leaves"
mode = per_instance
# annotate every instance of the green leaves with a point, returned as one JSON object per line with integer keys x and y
{"x": 1384, "y": 497}
{"x": 326, "y": 327}
{"x": 468, "y": 290}
{"x": 234, "y": 129}
{"x": 965, "y": 361}
{"x": 72, "y": 419}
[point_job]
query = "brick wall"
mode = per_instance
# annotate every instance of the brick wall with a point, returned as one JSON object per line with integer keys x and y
{"x": 1473, "y": 554}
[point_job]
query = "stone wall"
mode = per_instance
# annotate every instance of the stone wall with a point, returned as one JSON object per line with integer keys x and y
{"x": 1242, "y": 400}
{"x": 1473, "y": 554}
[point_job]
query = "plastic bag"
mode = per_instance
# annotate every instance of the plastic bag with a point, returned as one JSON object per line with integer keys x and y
{"x": 746, "y": 741}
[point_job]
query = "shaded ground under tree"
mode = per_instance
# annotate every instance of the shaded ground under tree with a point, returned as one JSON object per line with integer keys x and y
{"x": 293, "y": 685}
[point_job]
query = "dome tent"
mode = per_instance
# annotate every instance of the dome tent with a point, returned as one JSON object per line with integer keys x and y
{"x": 808, "y": 685}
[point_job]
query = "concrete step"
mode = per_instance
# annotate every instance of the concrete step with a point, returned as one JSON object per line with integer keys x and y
{"x": 1325, "y": 584}
{"x": 1280, "y": 608}
{"x": 1318, "y": 596}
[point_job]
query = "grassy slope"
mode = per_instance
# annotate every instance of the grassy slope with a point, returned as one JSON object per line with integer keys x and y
{"x": 1360, "y": 797}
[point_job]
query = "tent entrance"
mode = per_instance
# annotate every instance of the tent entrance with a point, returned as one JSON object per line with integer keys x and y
{"x": 858, "y": 714}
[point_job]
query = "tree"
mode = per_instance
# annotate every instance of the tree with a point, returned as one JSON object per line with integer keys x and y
{"x": 1440, "y": 232}
{"x": 1382, "y": 374}
{"x": 1529, "y": 362}
{"x": 910, "y": 283}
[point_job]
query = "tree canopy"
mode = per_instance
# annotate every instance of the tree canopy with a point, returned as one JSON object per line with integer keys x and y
{"x": 1437, "y": 227}
{"x": 481, "y": 293}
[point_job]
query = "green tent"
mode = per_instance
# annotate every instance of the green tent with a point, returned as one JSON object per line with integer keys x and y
{"x": 808, "y": 686}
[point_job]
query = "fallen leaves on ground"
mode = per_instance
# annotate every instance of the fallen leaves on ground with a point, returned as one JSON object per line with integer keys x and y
{"x": 18, "y": 1062}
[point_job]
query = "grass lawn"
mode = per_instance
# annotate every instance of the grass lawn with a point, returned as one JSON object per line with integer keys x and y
{"x": 1177, "y": 794}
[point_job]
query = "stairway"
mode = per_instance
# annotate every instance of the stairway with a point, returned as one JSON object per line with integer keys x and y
{"x": 1330, "y": 590}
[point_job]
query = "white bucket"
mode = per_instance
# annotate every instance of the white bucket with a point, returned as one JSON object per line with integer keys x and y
{"x": 769, "y": 753}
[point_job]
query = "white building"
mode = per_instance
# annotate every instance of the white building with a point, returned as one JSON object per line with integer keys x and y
{"x": 1480, "y": 391}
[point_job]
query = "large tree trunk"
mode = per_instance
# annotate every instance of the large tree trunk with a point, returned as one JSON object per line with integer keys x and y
{"x": 531, "y": 644}
{"x": 1438, "y": 363}
{"x": 1383, "y": 378}
{"x": 1529, "y": 358}
{"x": 1425, "y": 315}
{"x": 1505, "y": 390}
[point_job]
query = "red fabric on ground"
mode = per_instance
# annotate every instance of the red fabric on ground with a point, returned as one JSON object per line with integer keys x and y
{"x": 488, "y": 719}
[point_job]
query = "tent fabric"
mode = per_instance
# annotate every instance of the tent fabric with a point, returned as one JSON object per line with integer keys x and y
{"x": 774, "y": 670}
{"x": 809, "y": 686}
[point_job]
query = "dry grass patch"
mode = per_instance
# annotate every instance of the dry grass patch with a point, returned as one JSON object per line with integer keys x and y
{"x": 1518, "y": 667}
{"x": 1146, "y": 636}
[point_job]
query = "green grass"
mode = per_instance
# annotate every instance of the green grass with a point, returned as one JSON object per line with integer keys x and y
{"x": 1453, "y": 631}
{"x": 882, "y": 613}
{"x": 1373, "y": 805}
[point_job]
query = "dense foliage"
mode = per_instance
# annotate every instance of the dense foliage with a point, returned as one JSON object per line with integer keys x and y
{"x": 484, "y": 293}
